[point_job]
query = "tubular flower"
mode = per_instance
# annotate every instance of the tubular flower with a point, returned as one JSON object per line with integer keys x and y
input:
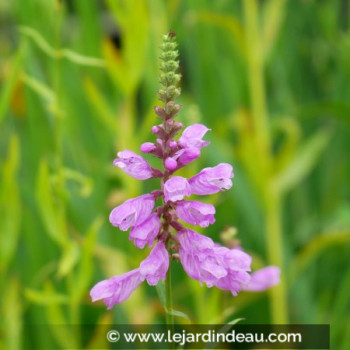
{"x": 196, "y": 213}
{"x": 192, "y": 136}
{"x": 159, "y": 227}
{"x": 212, "y": 264}
{"x": 132, "y": 212}
{"x": 176, "y": 189}
{"x": 212, "y": 180}
{"x": 118, "y": 288}
{"x": 133, "y": 165}
{"x": 156, "y": 265}
{"x": 263, "y": 279}
{"x": 146, "y": 232}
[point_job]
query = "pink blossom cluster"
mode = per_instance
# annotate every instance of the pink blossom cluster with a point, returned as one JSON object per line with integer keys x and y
{"x": 163, "y": 226}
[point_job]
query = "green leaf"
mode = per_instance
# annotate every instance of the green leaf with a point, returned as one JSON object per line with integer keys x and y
{"x": 69, "y": 259}
{"x": 160, "y": 287}
{"x": 10, "y": 82}
{"x": 224, "y": 329}
{"x": 45, "y": 297}
{"x": 62, "y": 53}
{"x": 86, "y": 266}
{"x": 273, "y": 15}
{"x": 132, "y": 17}
{"x": 11, "y": 316}
{"x": 100, "y": 105}
{"x": 178, "y": 314}
{"x": 51, "y": 210}
{"x": 65, "y": 336}
{"x": 10, "y": 206}
{"x": 314, "y": 248}
{"x": 303, "y": 162}
{"x": 236, "y": 321}
{"x": 228, "y": 22}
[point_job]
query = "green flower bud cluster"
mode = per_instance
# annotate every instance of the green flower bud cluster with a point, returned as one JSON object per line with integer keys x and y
{"x": 169, "y": 78}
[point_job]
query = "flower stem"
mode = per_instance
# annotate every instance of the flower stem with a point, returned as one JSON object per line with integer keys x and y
{"x": 169, "y": 78}
{"x": 169, "y": 298}
{"x": 169, "y": 305}
{"x": 271, "y": 199}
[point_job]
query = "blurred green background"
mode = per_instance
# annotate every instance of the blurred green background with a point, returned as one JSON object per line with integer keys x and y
{"x": 78, "y": 83}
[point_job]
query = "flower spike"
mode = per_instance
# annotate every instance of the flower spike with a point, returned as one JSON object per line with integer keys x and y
{"x": 163, "y": 227}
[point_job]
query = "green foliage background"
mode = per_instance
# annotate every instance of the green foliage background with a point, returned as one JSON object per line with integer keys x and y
{"x": 78, "y": 83}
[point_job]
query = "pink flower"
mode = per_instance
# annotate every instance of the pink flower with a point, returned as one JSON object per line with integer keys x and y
{"x": 202, "y": 259}
{"x": 133, "y": 165}
{"x": 212, "y": 264}
{"x": 192, "y": 136}
{"x": 176, "y": 188}
{"x": 196, "y": 213}
{"x": 118, "y": 288}
{"x": 237, "y": 264}
{"x": 146, "y": 232}
{"x": 263, "y": 279}
{"x": 132, "y": 212}
{"x": 191, "y": 143}
{"x": 212, "y": 180}
{"x": 156, "y": 265}
{"x": 187, "y": 155}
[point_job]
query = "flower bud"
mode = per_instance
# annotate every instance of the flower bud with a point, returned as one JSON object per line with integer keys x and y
{"x": 172, "y": 144}
{"x": 178, "y": 125}
{"x": 161, "y": 112}
{"x": 170, "y": 163}
{"x": 147, "y": 147}
{"x": 155, "y": 129}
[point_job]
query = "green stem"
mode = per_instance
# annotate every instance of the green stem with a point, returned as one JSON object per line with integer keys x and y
{"x": 271, "y": 200}
{"x": 254, "y": 52}
{"x": 169, "y": 298}
{"x": 169, "y": 304}
{"x": 278, "y": 300}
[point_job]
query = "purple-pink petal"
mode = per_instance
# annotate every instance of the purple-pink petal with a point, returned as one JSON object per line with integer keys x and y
{"x": 263, "y": 279}
{"x": 193, "y": 242}
{"x": 146, "y": 232}
{"x": 176, "y": 188}
{"x": 192, "y": 136}
{"x": 132, "y": 212}
{"x": 212, "y": 180}
{"x": 133, "y": 165}
{"x": 212, "y": 264}
{"x": 117, "y": 289}
{"x": 237, "y": 258}
{"x": 156, "y": 265}
{"x": 187, "y": 155}
{"x": 196, "y": 213}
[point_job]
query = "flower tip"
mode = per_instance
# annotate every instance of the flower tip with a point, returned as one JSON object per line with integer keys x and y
{"x": 170, "y": 163}
{"x": 171, "y": 33}
{"x": 155, "y": 129}
{"x": 147, "y": 147}
{"x": 263, "y": 279}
